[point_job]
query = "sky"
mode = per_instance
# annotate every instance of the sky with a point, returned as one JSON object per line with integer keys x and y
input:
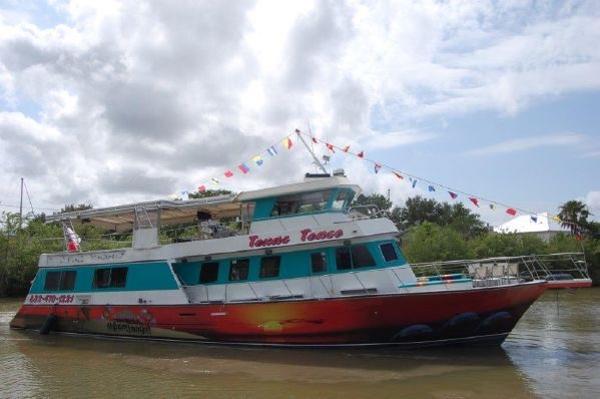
{"x": 112, "y": 102}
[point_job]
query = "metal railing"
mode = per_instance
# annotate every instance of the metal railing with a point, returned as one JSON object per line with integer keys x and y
{"x": 508, "y": 269}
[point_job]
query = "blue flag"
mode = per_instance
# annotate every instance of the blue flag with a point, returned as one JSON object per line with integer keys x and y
{"x": 431, "y": 188}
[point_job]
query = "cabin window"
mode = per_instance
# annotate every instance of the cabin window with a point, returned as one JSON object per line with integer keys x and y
{"x": 115, "y": 277}
{"x": 353, "y": 258}
{"x": 118, "y": 277}
{"x": 269, "y": 266}
{"x": 238, "y": 271}
{"x": 343, "y": 260}
{"x": 388, "y": 251}
{"x": 101, "y": 278}
{"x": 318, "y": 261}
{"x": 301, "y": 203}
{"x": 52, "y": 281}
{"x": 209, "y": 272}
{"x": 361, "y": 257}
{"x": 67, "y": 280}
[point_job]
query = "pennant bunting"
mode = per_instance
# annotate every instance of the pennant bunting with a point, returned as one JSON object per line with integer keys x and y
{"x": 346, "y": 148}
{"x": 361, "y": 154}
{"x": 272, "y": 151}
{"x": 431, "y": 188}
{"x": 556, "y": 219}
{"x": 398, "y": 175}
{"x": 376, "y": 168}
{"x": 214, "y": 180}
{"x": 314, "y": 140}
{"x": 534, "y": 218}
{"x": 245, "y": 169}
{"x": 228, "y": 173}
{"x": 492, "y": 207}
{"x": 452, "y": 195}
{"x": 287, "y": 142}
{"x": 414, "y": 183}
{"x": 330, "y": 147}
{"x": 258, "y": 160}
{"x": 511, "y": 211}
{"x": 475, "y": 201}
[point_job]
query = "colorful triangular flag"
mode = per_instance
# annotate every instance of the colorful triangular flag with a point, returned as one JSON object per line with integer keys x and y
{"x": 398, "y": 175}
{"x": 361, "y": 154}
{"x": 228, "y": 173}
{"x": 330, "y": 147}
{"x": 414, "y": 182}
{"x": 475, "y": 201}
{"x": 287, "y": 142}
{"x": 272, "y": 151}
{"x": 431, "y": 188}
{"x": 314, "y": 140}
{"x": 511, "y": 211}
{"x": 346, "y": 148}
{"x": 492, "y": 207}
{"x": 534, "y": 218}
{"x": 376, "y": 167}
{"x": 452, "y": 195}
{"x": 214, "y": 180}
{"x": 258, "y": 160}
{"x": 244, "y": 168}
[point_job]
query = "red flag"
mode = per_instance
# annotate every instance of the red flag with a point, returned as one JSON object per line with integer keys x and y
{"x": 314, "y": 140}
{"x": 361, "y": 154}
{"x": 228, "y": 173}
{"x": 201, "y": 188}
{"x": 511, "y": 211}
{"x": 287, "y": 143}
{"x": 346, "y": 148}
{"x": 376, "y": 167}
{"x": 452, "y": 195}
{"x": 398, "y": 175}
{"x": 330, "y": 147}
{"x": 475, "y": 201}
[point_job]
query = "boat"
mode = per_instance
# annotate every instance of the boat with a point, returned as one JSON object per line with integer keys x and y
{"x": 293, "y": 265}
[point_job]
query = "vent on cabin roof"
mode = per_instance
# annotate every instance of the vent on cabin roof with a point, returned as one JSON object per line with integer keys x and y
{"x": 316, "y": 175}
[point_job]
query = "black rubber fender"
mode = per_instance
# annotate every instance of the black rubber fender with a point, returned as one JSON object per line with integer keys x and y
{"x": 48, "y": 324}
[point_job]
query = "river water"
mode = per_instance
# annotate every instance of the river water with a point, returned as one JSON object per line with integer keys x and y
{"x": 554, "y": 352}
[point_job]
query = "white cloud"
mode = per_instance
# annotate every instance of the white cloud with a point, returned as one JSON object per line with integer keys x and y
{"x": 592, "y": 199}
{"x": 522, "y": 144}
{"x": 181, "y": 93}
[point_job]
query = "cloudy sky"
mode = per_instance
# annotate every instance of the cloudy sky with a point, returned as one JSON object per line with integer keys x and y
{"x": 108, "y": 102}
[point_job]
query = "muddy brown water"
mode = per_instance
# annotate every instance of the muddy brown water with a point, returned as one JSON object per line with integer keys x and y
{"x": 554, "y": 352}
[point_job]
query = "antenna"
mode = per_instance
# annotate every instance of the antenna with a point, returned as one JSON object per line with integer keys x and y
{"x": 21, "y": 207}
{"x": 312, "y": 153}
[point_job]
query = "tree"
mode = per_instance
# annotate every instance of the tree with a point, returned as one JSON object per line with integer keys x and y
{"x": 78, "y": 207}
{"x": 209, "y": 193}
{"x": 574, "y": 215}
{"x": 381, "y": 201}
{"x": 430, "y": 242}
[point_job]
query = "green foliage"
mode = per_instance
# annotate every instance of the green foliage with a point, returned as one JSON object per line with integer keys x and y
{"x": 493, "y": 244}
{"x": 209, "y": 193}
{"x": 430, "y": 242}
{"x": 374, "y": 199}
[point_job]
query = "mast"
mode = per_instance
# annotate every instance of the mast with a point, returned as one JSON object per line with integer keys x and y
{"x": 21, "y": 207}
{"x": 316, "y": 160}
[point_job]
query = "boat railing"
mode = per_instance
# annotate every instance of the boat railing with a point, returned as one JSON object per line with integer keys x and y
{"x": 508, "y": 269}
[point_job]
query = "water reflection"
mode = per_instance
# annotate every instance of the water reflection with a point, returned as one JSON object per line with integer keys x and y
{"x": 547, "y": 355}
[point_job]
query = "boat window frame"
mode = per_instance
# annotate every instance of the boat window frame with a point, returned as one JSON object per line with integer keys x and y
{"x": 211, "y": 264}
{"x": 245, "y": 268}
{"x": 57, "y": 273}
{"x": 110, "y": 281}
{"x": 322, "y": 255}
{"x": 393, "y": 248}
{"x": 262, "y": 273}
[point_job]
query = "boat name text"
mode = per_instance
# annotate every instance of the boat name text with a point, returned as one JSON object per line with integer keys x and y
{"x": 305, "y": 235}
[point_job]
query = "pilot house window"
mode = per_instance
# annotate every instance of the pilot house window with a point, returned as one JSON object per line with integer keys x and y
{"x": 301, "y": 203}
{"x": 318, "y": 262}
{"x": 388, "y": 251}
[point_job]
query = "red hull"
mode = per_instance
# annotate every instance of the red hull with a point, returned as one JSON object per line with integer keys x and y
{"x": 407, "y": 318}
{"x": 561, "y": 284}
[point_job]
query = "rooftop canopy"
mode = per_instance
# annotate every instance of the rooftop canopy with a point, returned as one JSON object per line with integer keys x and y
{"x": 168, "y": 212}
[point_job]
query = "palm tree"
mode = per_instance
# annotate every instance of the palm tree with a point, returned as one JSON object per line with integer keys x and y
{"x": 574, "y": 215}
